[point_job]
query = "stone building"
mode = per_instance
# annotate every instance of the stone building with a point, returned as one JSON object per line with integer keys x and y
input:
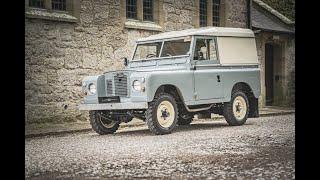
{"x": 66, "y": 40}
{"x": 275, "y": 40}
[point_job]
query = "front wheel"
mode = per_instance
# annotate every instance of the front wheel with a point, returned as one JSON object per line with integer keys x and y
{"x": 236, "y": 111}
{"x": 101, "y": 124}
{"x": 162, "y": 114}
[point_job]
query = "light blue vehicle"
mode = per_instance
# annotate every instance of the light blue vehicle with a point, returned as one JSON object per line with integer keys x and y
{"x": 175, "y": 75}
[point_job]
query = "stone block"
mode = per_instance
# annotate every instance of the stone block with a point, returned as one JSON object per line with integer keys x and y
{"x": 52, "y": 76}
{"x": 39, "y": 78}
{"x": 89, "y": 60}
{"x": 54, "y": 63}
{"x": 72, "y": 59}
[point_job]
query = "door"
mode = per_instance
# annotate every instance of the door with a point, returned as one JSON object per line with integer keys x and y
{"x": 278, "y": 71}
{"x": 274, "y": 75}
{"x": 207, "y": 78}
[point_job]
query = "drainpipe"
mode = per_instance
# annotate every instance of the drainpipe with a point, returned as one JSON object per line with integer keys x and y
{"x": 249, "y": 5}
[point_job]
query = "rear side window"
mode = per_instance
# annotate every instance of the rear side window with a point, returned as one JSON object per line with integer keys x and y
{"x": 175, "y": 48}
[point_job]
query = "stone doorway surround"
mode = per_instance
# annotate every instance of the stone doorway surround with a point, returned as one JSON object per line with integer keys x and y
{"x": 282, "y": 65}
{"x": 272, "y": 27}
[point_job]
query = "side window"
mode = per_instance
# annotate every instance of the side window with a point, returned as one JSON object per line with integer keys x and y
{"x": 175, "y": 48}
{"x": 205, "y": 49}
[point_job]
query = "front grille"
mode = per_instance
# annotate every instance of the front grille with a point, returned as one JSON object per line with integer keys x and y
{"x": 120, "y": 83}
{"x": 109, "y": 87}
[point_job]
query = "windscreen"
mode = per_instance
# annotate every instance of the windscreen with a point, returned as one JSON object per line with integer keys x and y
{"x": 170, "y": 48}
{"x": 147, "y": 51}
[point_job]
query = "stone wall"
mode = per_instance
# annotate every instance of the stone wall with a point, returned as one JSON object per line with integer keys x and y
{"x": 236, "y": 13}
{"x": 178, "y": 14}
{"x": 58, "y": 55}
{"x": 290, "y": 72}
{"x": 288, "y": 55}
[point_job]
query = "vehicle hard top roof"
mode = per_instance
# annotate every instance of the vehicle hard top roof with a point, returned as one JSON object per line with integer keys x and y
{"x": 204, "y": 31}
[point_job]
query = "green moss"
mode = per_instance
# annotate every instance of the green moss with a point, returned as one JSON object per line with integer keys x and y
{"x": 285, "y": 7}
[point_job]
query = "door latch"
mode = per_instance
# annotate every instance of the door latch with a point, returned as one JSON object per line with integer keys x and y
{"x": 218, "y": 78}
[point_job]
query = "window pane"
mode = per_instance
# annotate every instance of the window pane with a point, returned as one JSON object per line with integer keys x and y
{"x": 212, "y": 50}
{"x": 215, "y": 12}
{"x": 205, "y": 50}
{"x": 131, "y": 10}
{"x": 59, "y": 5}
{"x": 147, "y": 10}
{"x": 36, "y": 3}
{"x": 175, "y": 48}
{"x": 203, "y": 13}
{"x": 147, "y": 51}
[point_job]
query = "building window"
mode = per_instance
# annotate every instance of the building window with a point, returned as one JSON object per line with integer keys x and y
{"x": 36, "y": 3}
{"x": 215, "y": 12}
{"x": 59, "y": 5}
{"x": 203, "y": 13}
{"x": 56, "y": 10}
{"x": 131, "y": 9}
{"x": 142, "y": 14}
{"x": 148, "y": 10}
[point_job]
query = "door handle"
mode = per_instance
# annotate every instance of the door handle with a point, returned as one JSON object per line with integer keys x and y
{"x": 218, "y": 78}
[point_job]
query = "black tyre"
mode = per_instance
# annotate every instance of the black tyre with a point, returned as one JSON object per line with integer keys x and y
{"x": 237, "y": 110}
{"x": 184, "y": 119}
{"x": 101, "y": 124}
{"x": 162, "y": 114}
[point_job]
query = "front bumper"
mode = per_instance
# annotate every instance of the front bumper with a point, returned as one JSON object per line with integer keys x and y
{"x": 111, "y": 106}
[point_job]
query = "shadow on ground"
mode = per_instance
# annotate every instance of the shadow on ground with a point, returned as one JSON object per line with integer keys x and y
{"x": 144, "y": 131}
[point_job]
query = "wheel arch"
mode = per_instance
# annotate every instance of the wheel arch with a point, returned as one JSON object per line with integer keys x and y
{"x": 253, "y": 101}
{"x": 170, "y": 89}
{"x": 242, "y": 86}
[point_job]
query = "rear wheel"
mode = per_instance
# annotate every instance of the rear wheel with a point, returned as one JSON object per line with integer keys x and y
{"x": 162, "y": 114}
{"x": 237, "y": 110}
{"x": 101, "y": 124}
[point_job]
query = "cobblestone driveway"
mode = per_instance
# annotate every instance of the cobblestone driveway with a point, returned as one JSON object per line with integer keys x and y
{"x": 262, "y": 148}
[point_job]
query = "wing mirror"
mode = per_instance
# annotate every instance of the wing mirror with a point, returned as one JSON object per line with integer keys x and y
{"x": 125, "y": 61}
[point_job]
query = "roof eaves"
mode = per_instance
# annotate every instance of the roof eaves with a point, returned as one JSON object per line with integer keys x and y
{"x": 274, "y": 12}
{"x": 258, "y": 29}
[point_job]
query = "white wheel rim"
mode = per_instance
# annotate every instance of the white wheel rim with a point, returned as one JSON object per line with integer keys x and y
{"x": 239, "y": 107}
{"x": 165, "y": 114}
{"x": 106, "y": 125}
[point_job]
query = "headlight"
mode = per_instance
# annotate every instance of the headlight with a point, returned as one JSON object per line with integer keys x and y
{"x": 137, "y": 85}
{"x": 92, "y": 88}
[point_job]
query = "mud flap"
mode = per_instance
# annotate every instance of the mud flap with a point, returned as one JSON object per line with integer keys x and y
{"x": 254, "y": 109}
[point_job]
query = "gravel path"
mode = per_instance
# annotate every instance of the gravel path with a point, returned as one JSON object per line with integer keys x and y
{"x": 262, "y": 148}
